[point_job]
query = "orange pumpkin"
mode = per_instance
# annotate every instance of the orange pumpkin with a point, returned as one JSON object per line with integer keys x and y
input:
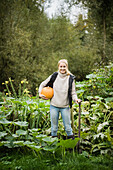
{"x": 47, "y": 92}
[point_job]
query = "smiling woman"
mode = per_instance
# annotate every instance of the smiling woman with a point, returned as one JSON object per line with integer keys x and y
{"x": 63, "y": 66}
{"x": 61, "y": 102}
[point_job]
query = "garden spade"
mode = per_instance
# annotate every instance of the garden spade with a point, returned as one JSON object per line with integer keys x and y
{"x": 79, "y": 124}
{"x": 72, "y": 120}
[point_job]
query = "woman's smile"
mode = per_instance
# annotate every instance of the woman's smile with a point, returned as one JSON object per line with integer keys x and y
{"x": 62, "y": 68}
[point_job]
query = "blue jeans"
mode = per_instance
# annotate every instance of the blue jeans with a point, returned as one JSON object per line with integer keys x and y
{"x": 54, "y": 115}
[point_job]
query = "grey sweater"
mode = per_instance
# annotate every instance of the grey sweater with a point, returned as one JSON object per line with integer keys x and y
{"x": 60, "y": 87}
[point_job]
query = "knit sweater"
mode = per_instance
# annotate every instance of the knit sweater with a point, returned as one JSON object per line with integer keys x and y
{"x": 60, "y": 87}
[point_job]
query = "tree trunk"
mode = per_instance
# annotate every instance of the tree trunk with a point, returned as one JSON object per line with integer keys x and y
{"x": 104, "y": 38}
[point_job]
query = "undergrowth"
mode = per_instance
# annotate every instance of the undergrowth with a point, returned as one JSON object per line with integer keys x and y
{"x": 25, "y": 160}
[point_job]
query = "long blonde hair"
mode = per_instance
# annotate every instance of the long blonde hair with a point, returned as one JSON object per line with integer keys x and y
{"x": 66, "y": 62}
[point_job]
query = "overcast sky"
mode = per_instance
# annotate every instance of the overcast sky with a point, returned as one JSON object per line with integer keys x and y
{"x": 56, "y": 6}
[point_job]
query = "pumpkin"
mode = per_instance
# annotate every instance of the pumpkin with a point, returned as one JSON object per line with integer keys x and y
{"x": 47, "y": 92}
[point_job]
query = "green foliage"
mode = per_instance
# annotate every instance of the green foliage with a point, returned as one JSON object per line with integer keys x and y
{"x": 97, "y": 111}
{"x": 31, "y": 44}
{"x": 25, "y": 120}
{"x": 100, "y": 15}
{"x": 99, "y": 83}
{"x": 25, "y": 159}
{"x": 68, "y": 144}
{"x": 23, "y": 52}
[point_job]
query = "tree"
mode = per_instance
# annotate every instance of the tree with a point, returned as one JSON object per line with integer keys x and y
{"x": 31, "y": 44}
{"x": 101, "y": 14}
{"x": 22, "y": 28}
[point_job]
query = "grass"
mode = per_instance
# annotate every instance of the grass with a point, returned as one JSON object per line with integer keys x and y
{"x": 19, "y": 159}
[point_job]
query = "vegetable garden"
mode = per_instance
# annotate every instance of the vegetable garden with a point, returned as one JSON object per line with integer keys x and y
{"x": 25, "y": 119}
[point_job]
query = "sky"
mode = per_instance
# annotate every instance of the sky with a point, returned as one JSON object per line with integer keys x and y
{"x": 56, "y": 6}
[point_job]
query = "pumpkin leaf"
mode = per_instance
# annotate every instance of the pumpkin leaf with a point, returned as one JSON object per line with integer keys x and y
{"x": 21, "y": 132}
{"x": 69, "y": 143}
{"x": 21, "y": 123}
{"x": 36, "y": 148}
{"x": 2, "y": 134}
{"x": 50, "y": 148}
{"x": 5, "y": 121}
{"x": 50, "y": 140}
{"x": 19, "y": 143}
{"x": 29, "y": 143}
{"x": 41, "y": 136}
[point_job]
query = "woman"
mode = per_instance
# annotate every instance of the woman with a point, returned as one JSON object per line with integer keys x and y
{"x": 64, "y": 93}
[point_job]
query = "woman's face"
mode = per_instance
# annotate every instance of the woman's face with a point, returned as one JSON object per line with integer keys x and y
{"x": 62, "y": 68}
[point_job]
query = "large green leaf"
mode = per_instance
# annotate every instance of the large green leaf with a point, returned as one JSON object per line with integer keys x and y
{"x": 20, "y": 143}
{"x": 109, "y": 99}
{"x": 36, "y": 148}
{"x": 69, "y": 143}
{"x": 2, "y": 134}
{"x": 50, "y": 140}
{"x": 50, "y": 148}
{"x": 41, "y": 136}
{"x": 80, "y": 85}
{"x": 80, "y": 91}
{"x": 29, "y": 143}
{"x": 21, "y": 132}
{"x": 21, "y": 123}
{"x": 91, "y": 76}
{"x": 1, "y": 144}
{"x": 15, "y": 136}
{"x": 34, "y": 129}
{"x": 5, "y": 121}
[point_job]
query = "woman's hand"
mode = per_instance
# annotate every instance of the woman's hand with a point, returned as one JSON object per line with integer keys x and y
{"x": 78, "y": 101}
{"x": 43, "y": 97}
